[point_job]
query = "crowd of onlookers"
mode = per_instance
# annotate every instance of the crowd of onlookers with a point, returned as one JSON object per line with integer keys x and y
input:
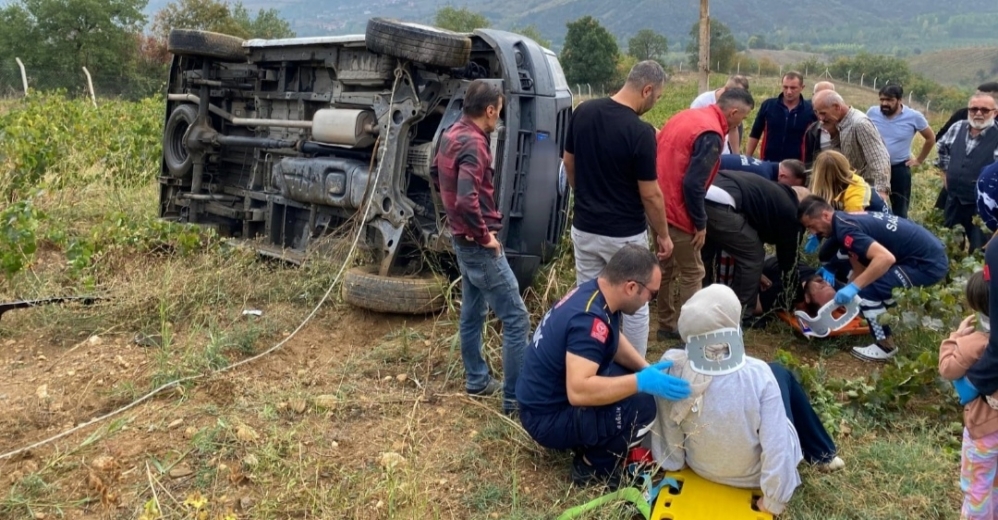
{"x": 682, "y": 216}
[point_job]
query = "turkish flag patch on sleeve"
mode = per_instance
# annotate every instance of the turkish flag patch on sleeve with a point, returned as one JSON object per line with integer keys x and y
{"x": 848, "y": 241}
{"x": 599, "y": 331}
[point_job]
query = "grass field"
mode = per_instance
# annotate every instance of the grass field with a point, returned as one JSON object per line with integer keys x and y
{"x": 965, "y": 67}
{"x": 360, "y": 415}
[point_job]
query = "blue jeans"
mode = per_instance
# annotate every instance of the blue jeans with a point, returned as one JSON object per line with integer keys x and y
{"x": 487, "y": 281}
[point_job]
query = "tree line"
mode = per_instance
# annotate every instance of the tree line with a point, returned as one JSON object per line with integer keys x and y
{"x": 55, "y": 39}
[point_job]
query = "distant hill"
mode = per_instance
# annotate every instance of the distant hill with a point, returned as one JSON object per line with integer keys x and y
{"x": 966, "y": 67}
{"x": 885, "y": 26}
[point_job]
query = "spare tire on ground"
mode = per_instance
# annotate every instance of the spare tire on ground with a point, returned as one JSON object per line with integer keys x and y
{"x": 417, "y": 42}
{"x": 191, "y": 42}
{"x": 364, "y": 288}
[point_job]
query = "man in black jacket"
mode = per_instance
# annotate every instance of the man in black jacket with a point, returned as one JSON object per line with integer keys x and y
{"x": 744, "y": 212}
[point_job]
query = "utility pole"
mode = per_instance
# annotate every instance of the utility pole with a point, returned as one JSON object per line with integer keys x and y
{"x": 704, "y": 64}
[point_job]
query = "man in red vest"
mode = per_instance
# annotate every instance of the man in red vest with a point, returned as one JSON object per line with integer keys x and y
{"x": 689, "y": 149}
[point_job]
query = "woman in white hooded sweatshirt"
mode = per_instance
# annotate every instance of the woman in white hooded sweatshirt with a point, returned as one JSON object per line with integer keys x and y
{"x": 746, "y": 423}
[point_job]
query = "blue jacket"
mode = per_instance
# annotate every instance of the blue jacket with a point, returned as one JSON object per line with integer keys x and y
{"x": 782, "y": 130}
{"x": 744, "y": 163}
{"x": 987, "y": 196}
{"x": 984, "y": 373}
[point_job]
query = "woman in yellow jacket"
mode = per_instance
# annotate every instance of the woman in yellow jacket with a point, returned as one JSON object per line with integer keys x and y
{"x": 835, "y": 181}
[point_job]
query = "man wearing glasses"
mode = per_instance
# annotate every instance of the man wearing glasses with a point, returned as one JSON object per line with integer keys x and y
{"x": 966, "y": 149}
{"x": 583, "y": 386}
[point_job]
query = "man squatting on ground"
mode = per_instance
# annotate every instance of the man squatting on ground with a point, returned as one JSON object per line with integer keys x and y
{"x": 584, "y": 387}
{"x": 462, "y": 169}
{"x": 885, "y": 252}
{"x": 610, "y": 164}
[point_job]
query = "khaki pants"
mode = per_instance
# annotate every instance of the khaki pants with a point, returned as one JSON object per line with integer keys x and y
{"x": 683, "y": 273}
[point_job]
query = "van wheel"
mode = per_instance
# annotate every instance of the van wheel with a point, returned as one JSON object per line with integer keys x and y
{"x": 178, "y": 161}
{"x": 417, "y": 42}
{"x": 364, "y": 288}
{"x": 525, "y": 269}
{"x": 190, "y": 42}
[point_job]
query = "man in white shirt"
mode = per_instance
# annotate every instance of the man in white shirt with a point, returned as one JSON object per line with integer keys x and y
{"x": 733, "y": 143}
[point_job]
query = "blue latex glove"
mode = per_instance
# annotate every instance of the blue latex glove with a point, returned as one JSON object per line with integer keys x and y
{"x": 652, "y": 380}
{"x": 846, "y": 294}
{"x": 827, "y": 275}
{"x": 812, "y": 244}
{"x": 966, "y": 390}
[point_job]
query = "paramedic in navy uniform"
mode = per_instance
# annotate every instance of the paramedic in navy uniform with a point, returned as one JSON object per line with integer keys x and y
{"x": 583, "y": 386}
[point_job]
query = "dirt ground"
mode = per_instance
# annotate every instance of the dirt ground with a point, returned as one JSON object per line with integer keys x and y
{"x": 353, "y": 397}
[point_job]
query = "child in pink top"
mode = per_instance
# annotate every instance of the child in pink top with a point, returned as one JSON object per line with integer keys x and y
{"x": 979, "y": 460}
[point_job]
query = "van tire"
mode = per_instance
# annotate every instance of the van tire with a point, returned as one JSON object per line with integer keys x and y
{"x": 175, "y": 155}
{"x": 418, "y": 43}
{"x": 364, "y": 288}
{"x": 221, "y": 47}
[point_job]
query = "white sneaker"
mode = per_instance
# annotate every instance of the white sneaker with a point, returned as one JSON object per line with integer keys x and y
{"x": 873, "y": 352}
{"x": 832, "y": 465}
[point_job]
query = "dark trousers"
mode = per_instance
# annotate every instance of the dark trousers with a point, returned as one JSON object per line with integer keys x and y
{"x": 878, "y": 295}
{"x": 784, "y": 294}
{"x": 941, "y": 199}
{"x": 601, "y": 434}
{"x": 815, "y": 442}
{"x": 728, "y": 230}
{"x": 900, "y": 189}
{"x": 963, "y": 214}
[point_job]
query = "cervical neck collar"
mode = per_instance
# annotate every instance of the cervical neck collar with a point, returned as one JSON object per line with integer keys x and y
{"x": 824, "y": 323}
{"x": 696, "y": 352}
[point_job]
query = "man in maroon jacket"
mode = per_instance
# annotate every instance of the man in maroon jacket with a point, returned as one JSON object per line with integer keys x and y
{"x": 462, "y": 170}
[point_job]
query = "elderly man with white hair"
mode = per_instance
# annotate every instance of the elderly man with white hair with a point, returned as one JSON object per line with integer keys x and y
{"x": 818, "y": 137}
{"x": 967, "y": 148}
{"x": 744, "y": 424}
{"x": 858, "y": 139}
